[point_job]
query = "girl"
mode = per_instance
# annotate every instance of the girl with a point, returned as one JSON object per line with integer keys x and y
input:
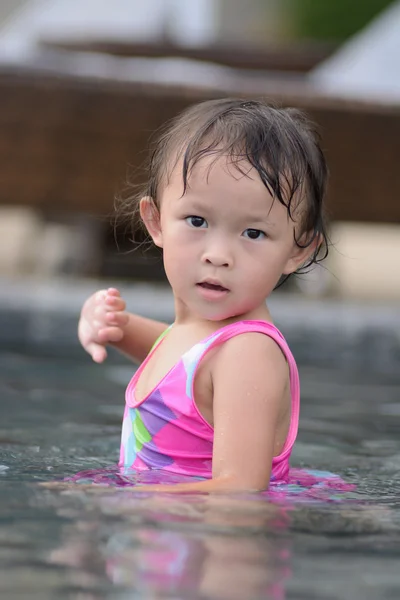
{"x": 235, "y": 200}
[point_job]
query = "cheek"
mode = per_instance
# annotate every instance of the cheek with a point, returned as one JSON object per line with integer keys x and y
{"x": 171, "y": 258}
{"x": 253, "y": 260}
{"x": 261, "y": 264}
{"x": 177, "y": 256}
{"x": 181, "y": 241}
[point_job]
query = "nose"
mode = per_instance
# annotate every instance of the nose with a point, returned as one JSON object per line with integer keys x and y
{"x": 218, "y": 255}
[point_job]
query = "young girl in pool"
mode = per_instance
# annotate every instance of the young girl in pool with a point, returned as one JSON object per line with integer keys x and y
{"x": 235, "y": 200}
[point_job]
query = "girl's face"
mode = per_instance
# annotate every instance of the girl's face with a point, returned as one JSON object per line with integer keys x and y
{"x": 226, "y": 242}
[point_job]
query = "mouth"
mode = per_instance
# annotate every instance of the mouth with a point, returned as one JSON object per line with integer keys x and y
{"x": 213, "y": 286}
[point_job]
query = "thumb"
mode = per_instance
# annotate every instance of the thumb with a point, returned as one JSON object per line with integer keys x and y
{"x": 97, "y": 352}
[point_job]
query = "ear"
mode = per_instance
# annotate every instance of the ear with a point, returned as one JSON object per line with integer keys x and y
{"x": 300, "y": 254}
{"x": 151, "y": 218}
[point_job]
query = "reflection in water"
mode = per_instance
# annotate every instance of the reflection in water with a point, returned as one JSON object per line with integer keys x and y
{"x": 224, "y": 548}
{"x": 217, "y": 566}
{"x": 58, "y": 417}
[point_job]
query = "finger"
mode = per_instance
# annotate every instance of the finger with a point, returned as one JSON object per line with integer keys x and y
{"x": 97, "y": 352}
{"x": 115, "y": 303}
{"x": 113, "y": 292}
{"x": 110, "y": 334}
{"x": 117, "y": 318}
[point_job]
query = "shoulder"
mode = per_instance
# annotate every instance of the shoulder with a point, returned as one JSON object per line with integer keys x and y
{"x": 254, "y": 353}
{"x": 251, "y": 344}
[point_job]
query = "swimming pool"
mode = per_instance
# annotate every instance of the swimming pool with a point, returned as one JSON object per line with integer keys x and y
{"x": 62, "y": 415}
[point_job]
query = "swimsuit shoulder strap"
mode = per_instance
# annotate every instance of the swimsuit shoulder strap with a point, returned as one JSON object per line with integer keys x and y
{"x": 194, "y": 356}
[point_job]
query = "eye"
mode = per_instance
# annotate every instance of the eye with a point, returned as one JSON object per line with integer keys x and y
{"x": 254, "y": 234}
{"x": 195, "y": 221}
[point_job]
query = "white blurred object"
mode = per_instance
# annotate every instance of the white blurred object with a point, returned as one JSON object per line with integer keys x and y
{"x": 364, "y": 260}
{"x": 191, "y": 23}
{"x": 29, "y": 244}
{"x": 185, "y": 22}
{"x": 170, "y": 71}
{"x": 368, "y": 66}
{"x": 20, "y": 233}
{"x": 72, "y": 247}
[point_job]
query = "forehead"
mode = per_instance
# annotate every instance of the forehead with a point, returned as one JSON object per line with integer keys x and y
{"x": 224, "y": 182}
{"x": 219, "y": 175}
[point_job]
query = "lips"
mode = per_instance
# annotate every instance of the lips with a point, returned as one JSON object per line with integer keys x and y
{"x": 209, "y": 284}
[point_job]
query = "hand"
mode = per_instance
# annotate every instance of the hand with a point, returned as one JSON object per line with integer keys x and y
{"x": 102, "y": 322}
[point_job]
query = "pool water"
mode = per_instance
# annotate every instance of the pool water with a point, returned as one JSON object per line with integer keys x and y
{"x": 61, "y": 416}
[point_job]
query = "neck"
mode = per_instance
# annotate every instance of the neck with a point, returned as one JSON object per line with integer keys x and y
{"x": 184, "y": 316}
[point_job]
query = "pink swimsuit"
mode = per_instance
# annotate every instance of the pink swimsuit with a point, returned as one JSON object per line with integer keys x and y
{"x": 166, "y": 431}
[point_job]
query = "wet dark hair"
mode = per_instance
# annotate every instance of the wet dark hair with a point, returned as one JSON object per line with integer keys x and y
{"x": 280, "y": 143}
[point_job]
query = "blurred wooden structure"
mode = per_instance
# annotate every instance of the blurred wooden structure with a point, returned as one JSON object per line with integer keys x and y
{"x": 294, "y": 57}
{"x": 67, "y": 143}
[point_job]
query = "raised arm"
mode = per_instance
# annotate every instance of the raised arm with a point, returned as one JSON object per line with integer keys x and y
{"x": 140, "y": 334}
